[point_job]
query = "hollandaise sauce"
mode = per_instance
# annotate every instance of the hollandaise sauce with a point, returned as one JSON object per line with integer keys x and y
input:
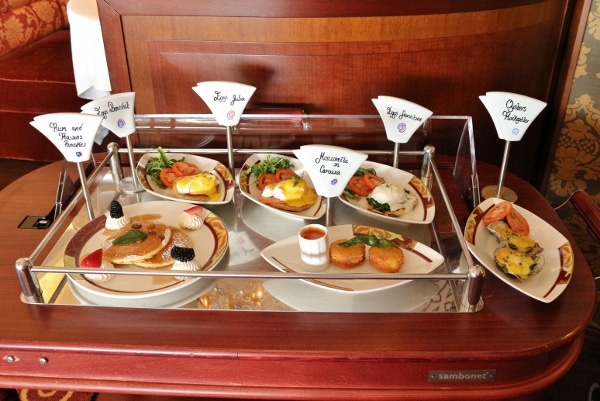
{"x": 203, "y": 183}
{"x": 294, "y": 192}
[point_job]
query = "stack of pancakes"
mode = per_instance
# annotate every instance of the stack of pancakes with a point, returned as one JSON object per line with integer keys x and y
{"x": 152, "y": 252}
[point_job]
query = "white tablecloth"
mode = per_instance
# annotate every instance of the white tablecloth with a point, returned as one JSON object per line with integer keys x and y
{"x": 87, "y": 46}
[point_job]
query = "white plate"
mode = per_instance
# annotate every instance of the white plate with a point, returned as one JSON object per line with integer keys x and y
{"x": 557, "y": 270}
{"x": 224, "y": 178}
{"x": 210, "y": 245}
{"x": 248, "y": 188}
{"x": 424, "y": 210}
{"x": 303, "y": 296}
{"x": 418, "y": 258}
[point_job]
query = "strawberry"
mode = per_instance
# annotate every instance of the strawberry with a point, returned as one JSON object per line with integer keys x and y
{"x": 94, "y": 259}
{"x": 197, "y": 209}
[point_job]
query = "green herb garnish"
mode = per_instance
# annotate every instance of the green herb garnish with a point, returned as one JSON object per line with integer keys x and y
{"x": 129, "y": 237}
{"x": 371, "y": 240}
{"x": 382, "y": 207}
{"x": 269, "y": 165}
{"x": 156, "y": 164}
{"x": 363, "y": 170}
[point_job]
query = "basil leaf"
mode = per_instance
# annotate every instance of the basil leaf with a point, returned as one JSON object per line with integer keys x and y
{"x": 371, "y": 240}
{"x": 129, "y": 237}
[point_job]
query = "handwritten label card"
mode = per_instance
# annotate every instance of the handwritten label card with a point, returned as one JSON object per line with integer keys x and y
{"x": 72, "y": 133}
{"x": 329, "y": 167}
{"x": 511, "y": 113}
{"x": 226, "y": 100}
{"x": 117, "y": 112}
{"x": 401, "y": 118}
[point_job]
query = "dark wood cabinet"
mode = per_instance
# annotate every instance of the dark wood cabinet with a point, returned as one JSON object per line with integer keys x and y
{"x": 333, "y": 57}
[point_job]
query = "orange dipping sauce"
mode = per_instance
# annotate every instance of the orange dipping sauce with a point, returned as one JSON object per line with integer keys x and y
{"x": 312, "y": 233}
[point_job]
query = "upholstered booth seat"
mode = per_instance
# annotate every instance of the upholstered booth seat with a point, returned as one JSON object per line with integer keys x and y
{"x": 36, "y": 74}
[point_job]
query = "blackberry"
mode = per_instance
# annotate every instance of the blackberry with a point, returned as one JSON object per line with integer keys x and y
{"x": 183, "y": 254}
{"x": 116, "y": 210}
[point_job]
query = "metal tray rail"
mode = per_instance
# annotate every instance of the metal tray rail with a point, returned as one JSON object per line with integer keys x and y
{"x": 466, "y": 284}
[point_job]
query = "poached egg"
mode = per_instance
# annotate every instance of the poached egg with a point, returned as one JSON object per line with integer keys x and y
{"x": 293, "y": 191}
{"x": 203, "y": 183}
{"x": 395, "y": 196}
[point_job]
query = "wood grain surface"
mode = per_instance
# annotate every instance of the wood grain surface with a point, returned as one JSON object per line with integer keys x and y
{"x": 286, "y": 355}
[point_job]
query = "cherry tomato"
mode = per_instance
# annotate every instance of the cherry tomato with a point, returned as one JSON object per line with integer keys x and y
{"x": 371, "y": 181}
{"x": 497, "y": 213}
{"x": 284, "y": 174}
{"x": 265, "y": 179}
{"x": 168, "y": 177}
{"x": 357, "y": 185}
{"x": 517, "y": 222}
{"x": 185, "y": 168}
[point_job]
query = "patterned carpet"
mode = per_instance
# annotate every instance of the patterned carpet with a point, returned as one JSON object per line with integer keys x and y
{"x": 41, "y": 395}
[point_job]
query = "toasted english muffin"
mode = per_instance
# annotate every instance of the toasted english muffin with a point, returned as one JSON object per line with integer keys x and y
{"x": 163, "y": 257}
{"x": 157, "y": 237}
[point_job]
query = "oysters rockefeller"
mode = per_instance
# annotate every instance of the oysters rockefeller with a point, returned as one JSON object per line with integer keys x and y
{"x": 517, "y": 254}
{"x": 145, "y": 243}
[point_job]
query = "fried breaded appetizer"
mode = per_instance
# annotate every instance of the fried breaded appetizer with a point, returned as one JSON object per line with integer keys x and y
{"x": 346, "y": 257}
{"x": 388, "y": 259}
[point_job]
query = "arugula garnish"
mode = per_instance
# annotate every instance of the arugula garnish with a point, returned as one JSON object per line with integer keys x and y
{"x": 156, "y": 164}
{"x": 269, "y": 165}
{"x": 363, "y": 170}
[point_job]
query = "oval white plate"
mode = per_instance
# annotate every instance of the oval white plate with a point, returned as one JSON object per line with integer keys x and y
{"x": 248, "y": 188}
{"x": 224, "y": 178}
{"x": 556, "y": 273}
{"x": 424, "y": 210}
{"x": 418, "y": 258}
{"x": 210, "y": 244}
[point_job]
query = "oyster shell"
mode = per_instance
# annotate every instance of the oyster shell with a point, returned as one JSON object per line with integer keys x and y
{"x": 518, "y": 242}
{"x": 500, "y": 229}
{"x": 517, "y": 264}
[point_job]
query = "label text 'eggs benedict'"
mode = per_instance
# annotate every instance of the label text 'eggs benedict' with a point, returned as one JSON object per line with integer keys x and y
{"x": 203, "y": 183}
{"x": 292, "y": 194}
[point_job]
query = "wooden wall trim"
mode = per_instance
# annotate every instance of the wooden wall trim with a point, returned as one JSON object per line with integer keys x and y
{"x": 311, "y": 8}
{"x": 511, "y": 46}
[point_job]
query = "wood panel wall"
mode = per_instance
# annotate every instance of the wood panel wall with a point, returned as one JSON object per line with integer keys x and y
{"x": 333, "y": 57}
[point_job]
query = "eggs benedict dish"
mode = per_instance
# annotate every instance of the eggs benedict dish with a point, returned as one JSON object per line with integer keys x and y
{"x": 399, "y": 200}
{"x": 292, "y": 194}
{"x": 202, "y": 184}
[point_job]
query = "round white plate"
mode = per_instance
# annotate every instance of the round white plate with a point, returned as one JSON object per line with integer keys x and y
{"x": 418, "y": 258}
{"x": 424, "y": 210}
{"x": 225, "y": 180}
{"x": 248, "y": 188}
{"x": 557, "y": 270}
{"x": 210, "y": 245}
